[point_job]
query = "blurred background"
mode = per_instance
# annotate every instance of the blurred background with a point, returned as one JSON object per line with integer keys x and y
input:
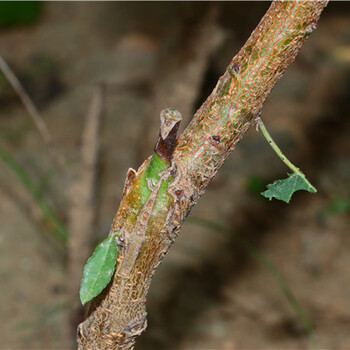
{"x": 245, "y": 272}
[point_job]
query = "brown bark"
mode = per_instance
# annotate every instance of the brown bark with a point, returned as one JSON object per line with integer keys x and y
{"x": 118, "y": 315}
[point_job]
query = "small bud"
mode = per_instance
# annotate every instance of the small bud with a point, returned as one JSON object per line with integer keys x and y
{"x": 170, "y": 120}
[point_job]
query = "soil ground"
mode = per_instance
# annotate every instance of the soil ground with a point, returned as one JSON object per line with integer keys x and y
{"x": 214, "y": 290}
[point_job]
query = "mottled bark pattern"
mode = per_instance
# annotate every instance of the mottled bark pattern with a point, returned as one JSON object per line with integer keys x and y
{"x": 118, "y": 315}
{"x": 241, "y": 91}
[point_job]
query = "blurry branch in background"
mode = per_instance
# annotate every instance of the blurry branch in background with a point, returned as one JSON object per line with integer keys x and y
{"x": 35, "y": 115}
{"x": 118, "y": 315}
{"x": 177, "y": 83}
{"x": 82, "y": 190}
{"x": 82, "y": 210}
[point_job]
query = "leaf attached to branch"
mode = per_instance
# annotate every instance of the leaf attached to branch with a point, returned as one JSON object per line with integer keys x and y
{"x": 284, "y": 189}
{"x": 99, "y": 269}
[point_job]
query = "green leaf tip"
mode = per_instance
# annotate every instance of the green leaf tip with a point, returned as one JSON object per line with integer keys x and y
{"x": 284, "y": 189}
{"x": 99, "y": 269}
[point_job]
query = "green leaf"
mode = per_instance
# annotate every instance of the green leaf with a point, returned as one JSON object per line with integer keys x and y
{"x": 99, "y": 269}
{"x": 284, "y": 189}
{"x": 24, "y": 12}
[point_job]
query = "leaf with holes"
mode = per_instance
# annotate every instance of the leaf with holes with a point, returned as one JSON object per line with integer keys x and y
{"x": 284, "y": 189}
{"x": 99, "y": 269}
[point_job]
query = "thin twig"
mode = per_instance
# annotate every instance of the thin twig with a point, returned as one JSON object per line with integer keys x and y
{"x": 280, "y": 154}
{"x": 34, "y": 114}
{"x": 82, "y": 213}
{"x": 277, "y": 150}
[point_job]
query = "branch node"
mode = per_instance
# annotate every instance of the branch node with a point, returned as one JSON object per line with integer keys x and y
{"x": 170, "y": 120}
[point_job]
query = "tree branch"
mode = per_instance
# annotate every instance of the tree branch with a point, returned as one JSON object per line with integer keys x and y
{"x": 118, "y": 315}
{"x": 34, "y": 114}
{"x": 82, "y": 211}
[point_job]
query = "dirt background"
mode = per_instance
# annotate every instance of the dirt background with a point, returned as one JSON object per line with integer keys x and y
{"x": 212, "y": 291}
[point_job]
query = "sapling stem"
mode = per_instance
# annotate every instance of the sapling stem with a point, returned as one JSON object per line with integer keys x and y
{"x": 280, "y": 154}
{"x": 151, "y": 220}
{"x": 278, "y": 151}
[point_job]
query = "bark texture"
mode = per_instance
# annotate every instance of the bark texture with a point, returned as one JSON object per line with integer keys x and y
{"x": 118, "y": 315}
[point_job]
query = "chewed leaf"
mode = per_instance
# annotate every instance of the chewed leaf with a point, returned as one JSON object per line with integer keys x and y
{"x": 99, "y": 269}
{"x": 284, "y": 189}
